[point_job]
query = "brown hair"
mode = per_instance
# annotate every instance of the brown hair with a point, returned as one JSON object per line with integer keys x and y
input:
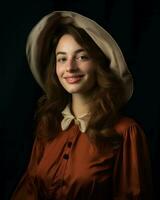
{"x": 107, "y": 100}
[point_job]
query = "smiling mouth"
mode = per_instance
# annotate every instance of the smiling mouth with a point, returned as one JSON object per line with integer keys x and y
{"x": 73, "y": 79}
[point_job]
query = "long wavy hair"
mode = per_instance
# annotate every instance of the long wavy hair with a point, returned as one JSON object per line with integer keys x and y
{"x": 106, "y": 102}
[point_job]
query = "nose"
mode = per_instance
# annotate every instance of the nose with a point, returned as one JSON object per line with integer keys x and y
{"x": 71, "y": 65}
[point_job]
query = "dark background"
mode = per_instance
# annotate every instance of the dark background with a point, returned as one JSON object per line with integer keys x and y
{"x": 135, "y": 24}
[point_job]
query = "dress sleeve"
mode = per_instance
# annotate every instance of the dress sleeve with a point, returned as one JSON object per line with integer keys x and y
{"x": 132, "y": 169}
{"x": 26, "y": 189}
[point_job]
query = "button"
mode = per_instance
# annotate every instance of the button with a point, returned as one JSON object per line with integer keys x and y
{"x": 69, "y": 144}
{"x": 66, "y": 156}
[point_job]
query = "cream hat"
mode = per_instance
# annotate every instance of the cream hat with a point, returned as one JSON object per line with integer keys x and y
{"x": 38, "y": 44}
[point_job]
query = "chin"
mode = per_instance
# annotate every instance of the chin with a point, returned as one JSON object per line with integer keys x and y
{"x": 75, "y": 91}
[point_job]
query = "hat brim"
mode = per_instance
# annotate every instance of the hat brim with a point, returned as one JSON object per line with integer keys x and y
{"x": 38, "y": 44}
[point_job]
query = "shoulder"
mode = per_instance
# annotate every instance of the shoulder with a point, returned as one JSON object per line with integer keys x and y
{"x": 127, "y": 125}
{"x": 132, "y": 134}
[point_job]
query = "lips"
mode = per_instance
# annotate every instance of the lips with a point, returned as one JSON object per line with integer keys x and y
{"x": 73, "y": 79}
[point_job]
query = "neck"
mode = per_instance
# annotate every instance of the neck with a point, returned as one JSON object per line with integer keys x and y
{"x": 80, "y": 105}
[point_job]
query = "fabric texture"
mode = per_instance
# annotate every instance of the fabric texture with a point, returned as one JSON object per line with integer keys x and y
{"x": 41, "y": 36}
{"x": 71, "y": 168}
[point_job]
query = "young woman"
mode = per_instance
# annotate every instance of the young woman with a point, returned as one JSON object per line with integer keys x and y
{"x": 84, "y": 148}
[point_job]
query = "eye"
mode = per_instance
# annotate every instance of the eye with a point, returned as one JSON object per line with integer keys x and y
{"x": 61, "y": 59}
{"x": 83, "y": 57}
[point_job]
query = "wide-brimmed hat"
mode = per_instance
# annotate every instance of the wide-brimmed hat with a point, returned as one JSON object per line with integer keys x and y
{"x": 39, "y": 44}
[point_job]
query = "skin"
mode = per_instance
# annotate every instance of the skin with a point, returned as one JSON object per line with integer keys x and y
{"x": 75, "y": 69}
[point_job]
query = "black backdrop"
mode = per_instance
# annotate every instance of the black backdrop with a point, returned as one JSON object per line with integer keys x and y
{"x": 135, "y": 24}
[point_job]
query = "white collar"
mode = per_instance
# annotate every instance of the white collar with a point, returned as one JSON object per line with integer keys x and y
{"x": 81, "y": 121}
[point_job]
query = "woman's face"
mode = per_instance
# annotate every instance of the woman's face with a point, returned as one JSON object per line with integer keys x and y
{"x": 75, "y": 68}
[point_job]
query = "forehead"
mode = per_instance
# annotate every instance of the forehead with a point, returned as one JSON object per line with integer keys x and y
{"x": 67, "y": 43}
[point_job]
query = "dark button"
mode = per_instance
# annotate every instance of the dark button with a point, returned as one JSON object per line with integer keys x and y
{"x": 69, "y": 144}
{"x": 66, "y": 156}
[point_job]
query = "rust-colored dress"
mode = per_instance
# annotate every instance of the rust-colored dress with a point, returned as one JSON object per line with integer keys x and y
{"x": 70, "y": 167}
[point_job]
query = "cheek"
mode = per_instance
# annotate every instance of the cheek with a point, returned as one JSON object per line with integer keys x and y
{"x": 89, "y": 67}
{"x": 58, "y": 71}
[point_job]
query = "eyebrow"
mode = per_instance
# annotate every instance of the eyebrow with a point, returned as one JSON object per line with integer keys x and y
{"x": 64, "y": 53}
